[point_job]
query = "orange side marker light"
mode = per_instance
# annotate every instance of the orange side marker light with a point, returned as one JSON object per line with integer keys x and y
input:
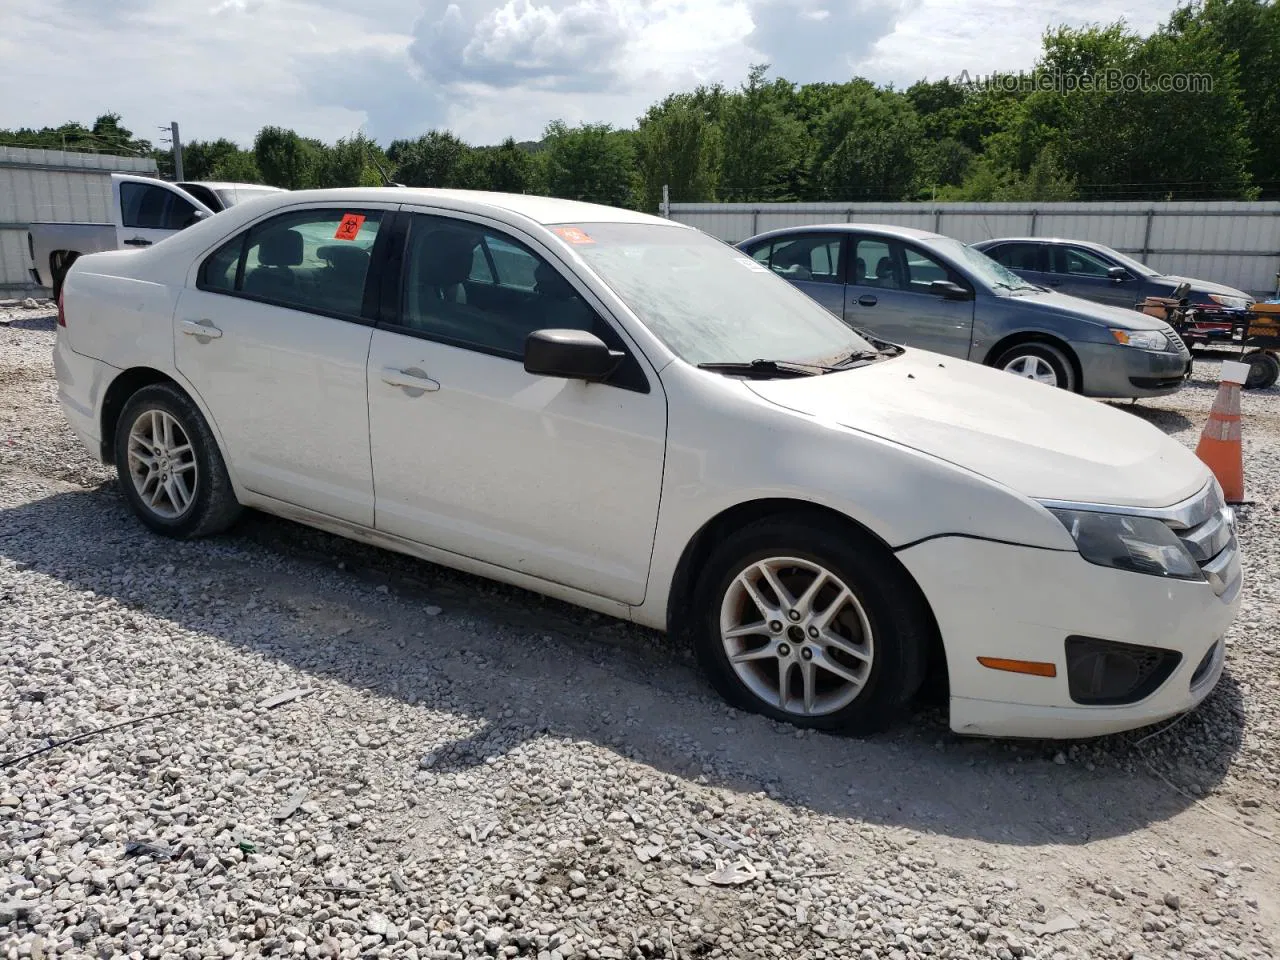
{"x": 1032, "y": 667}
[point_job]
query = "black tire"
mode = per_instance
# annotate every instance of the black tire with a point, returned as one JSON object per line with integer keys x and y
{"x": 1264, "y": 370}
{"x": 213, "y": 506}
{"x": 1057, "y": 360}
{"x": 898, "y": 615}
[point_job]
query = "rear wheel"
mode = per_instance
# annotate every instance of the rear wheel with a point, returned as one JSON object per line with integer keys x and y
{"x": 810, "y": 626}
{"x": 1040, "y": 362}
{"x": 169, "y": 466}
{"x": 1264, "y": 370}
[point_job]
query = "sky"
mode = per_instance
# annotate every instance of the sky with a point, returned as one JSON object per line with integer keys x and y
{"x": 486, "y": 69}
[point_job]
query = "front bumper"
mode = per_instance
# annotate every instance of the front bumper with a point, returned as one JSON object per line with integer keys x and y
{"x": 1021, "y": 603}
{"x": 1114, "y": 371}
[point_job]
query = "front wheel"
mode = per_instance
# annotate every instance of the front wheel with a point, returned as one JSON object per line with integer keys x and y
{"x": 811, "y": 626}
{"x": 169, "y": 466}
{"x": 1040, "y": 362}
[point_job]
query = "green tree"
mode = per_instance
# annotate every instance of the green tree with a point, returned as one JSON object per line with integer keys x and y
{"x": 592, "y": 162}
{"x": 677, "y": 145}
{"x": 763, "y": 146}
{"x": 285, "y": 159}
{"x": 201, "y": 157}
{"x": 432, "y": 160}
{"x": 868, "y": 146}
{"x": 238, "y": 167}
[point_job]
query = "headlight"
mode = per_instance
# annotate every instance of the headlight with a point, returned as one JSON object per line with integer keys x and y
{"x": 1235, "y": 303}
{"x": 1137, "y": 544}
{"x": 1142, "y": 339}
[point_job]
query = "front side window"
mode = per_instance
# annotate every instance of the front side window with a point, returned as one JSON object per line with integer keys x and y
{"x": 1017, "y": 256}
{"x": 145, "y": 206}
{"x": 1079, "y": 262}
{"x": 472, "y": 287}
{"x": 922, "y": 270}
{"x": 314, "y": 260}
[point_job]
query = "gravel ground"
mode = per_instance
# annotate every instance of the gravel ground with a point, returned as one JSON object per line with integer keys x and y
{"x": 325, "y": 750}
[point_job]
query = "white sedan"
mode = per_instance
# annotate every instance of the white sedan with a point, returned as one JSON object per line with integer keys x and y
{"x": 624, "y": 413}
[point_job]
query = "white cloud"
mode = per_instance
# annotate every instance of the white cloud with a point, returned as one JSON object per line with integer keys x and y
{"x": 485, "y": 68}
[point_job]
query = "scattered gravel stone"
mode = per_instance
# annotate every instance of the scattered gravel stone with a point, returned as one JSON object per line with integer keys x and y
{"x": 524, "y": 779}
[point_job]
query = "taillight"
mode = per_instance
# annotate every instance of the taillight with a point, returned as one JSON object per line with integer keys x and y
{"x": 62, "y": 313}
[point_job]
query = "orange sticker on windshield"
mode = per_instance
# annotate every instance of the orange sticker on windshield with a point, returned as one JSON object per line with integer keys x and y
{"x": 572, "y": 235}
{"x": 349, "y": 227}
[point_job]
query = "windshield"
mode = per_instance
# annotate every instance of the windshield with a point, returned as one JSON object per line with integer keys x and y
{"x": 230, "y": 196}
{"x": 1130, "y": 264}
{"x": 980, "y": 266}
{"x": 707, "y": 301}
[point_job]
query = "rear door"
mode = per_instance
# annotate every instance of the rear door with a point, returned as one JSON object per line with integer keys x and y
{"x": 889, "y": 296}
{"x": 812, "y": 262}
{"x": 274, "y": 337}
{"x": 147, "y": 210}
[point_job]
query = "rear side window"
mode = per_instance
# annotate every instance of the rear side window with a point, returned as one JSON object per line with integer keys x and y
{"x": 314, "y": 260}
{"x": 812, "y": 257}
{"x": 147, "y": 207}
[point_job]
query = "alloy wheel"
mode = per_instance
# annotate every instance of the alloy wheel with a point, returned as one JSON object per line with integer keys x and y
{"x": 162, "y": 464}
{"x": 796, "y": 636}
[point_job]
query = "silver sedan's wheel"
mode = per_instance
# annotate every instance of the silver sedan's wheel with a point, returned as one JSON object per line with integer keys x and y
{"x": 797, "y": 637}
{"x": 162, "y": 464}
{"x": 1033, "y": 368}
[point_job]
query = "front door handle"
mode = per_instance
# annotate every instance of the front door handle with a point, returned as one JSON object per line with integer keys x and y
{"x": 867, "y": 300}
{"x": 1055, "y": 283}
{"x": 201, "y": 328}
{"x": 411, "y": 380}
{"x": 138, "y": 242}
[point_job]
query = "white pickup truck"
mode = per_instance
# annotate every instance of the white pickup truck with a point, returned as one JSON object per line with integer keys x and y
{"x": 144, "y": 210}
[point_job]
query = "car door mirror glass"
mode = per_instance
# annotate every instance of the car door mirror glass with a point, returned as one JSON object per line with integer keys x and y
{"x": 571, "y": 354}
{"x": 949, "y": 290}
{"x": 1118, "y": 273}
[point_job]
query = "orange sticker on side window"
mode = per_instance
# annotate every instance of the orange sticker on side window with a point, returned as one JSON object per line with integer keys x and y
{"x": 572, "y": 235}
{"x": 349, "y": 228}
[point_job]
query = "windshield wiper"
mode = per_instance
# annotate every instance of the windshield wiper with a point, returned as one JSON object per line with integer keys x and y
{"x": 769, "y": 368}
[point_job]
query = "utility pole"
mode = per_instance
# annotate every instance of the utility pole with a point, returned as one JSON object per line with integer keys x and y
{"x": 666, "y": 201}
{"x": 177, "y": 152}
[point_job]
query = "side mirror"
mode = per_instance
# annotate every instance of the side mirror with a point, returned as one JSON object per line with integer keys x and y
{"x": 949, "y": 290}
{"x": 195, "y": 218}
{"x": 1118, "y": 274}
{"x": 571, "y": 354}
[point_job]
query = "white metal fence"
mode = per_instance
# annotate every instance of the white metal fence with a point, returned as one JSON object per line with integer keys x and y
{"x": 1233, "y": 243}
{"x": 52, "y": 185}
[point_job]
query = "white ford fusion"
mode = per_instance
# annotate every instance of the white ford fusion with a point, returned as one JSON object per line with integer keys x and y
{"x": 626, "y": 414}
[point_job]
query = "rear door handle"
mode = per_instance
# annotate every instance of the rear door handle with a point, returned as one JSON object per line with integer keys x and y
{"x": 867, "y": 300}
{"x": 411, "y": 379}
{"x": 201, "y": 328}
{"x": 138, "y": 242}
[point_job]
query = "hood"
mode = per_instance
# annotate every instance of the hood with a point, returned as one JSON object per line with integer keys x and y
{"x": 1201, "y": 286}
{"x": 1043, "y": 442}
{"x": 1062, "y": 305}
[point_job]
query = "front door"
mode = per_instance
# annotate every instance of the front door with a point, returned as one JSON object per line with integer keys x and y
{"x": 889, "y": 296}
{"x": 557, "y": 479}
{"x": 1083, "y": 273}
{"x": 148, "y": 210}
{"x": 273, "y": 340}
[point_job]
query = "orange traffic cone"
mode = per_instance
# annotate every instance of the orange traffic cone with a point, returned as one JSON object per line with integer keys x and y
{"x": 1219, "y": 444}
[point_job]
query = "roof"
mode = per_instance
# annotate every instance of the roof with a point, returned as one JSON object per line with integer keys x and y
{"x": 1078, "y": 243}
{"x": 882, "y": 229}
{"x": 544, "y": 210}
{"x": 228, "y": 185}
